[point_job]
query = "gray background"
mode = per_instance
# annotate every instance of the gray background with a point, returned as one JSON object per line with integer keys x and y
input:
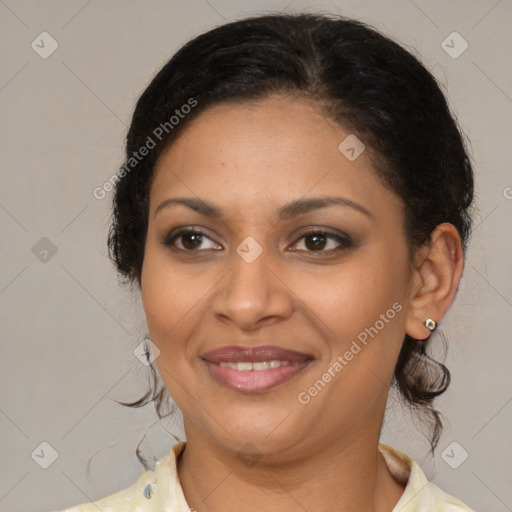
{"x": 68, "y": 329}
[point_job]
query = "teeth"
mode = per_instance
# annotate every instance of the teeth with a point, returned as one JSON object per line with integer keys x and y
{"x": 262, "y": 365}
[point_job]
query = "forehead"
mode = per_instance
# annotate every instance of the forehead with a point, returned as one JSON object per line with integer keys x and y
{"x": 267, "y": 151}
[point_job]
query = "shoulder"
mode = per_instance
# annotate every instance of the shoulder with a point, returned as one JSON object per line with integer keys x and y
{"x": 419, "y": 493}
{"x": 153, "y": 491}
{"x": 444, "y": 502}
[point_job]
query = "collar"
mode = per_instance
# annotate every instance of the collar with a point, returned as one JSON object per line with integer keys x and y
{"x": 166, "y": 494}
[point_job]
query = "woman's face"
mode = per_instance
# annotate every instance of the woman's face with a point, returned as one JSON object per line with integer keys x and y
{"x": 296, "y": 254}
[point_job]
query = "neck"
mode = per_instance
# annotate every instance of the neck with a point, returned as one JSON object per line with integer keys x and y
{"x": 345, "y": 475}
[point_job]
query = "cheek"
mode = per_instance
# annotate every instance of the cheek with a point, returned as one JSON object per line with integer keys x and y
{"x": 172, "y": 306}
{"x": 360, "y": 307}
{"x": 353, "y": 296}
{"x": 171, "y": 301}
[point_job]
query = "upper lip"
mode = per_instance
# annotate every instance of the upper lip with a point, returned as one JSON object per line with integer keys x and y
{"x": 237, "y": 353}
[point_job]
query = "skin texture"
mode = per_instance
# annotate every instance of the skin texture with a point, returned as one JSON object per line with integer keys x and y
{"x": 249, "y": 160}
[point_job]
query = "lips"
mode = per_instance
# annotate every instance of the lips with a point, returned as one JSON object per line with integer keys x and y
{"x": 234, "y": 354}
{"x": 254, "y": 369}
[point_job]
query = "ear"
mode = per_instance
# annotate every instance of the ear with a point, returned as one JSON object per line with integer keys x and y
{"x": 438, "y": 267}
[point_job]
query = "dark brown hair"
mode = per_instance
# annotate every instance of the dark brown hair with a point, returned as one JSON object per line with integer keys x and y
{"x": 361, "y": 79}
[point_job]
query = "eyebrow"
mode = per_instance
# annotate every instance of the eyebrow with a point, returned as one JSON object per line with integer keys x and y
{"x": 290, "y": 210}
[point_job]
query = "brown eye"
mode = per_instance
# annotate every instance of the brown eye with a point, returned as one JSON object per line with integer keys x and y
{"x": 190, "y": 240}
{"x": 322, "y": 242}
{"x": 315, "y": 242}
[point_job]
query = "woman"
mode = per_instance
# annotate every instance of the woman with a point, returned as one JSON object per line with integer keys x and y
{"x": 294, "y": 207}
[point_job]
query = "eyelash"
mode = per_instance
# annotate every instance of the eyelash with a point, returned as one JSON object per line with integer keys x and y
{"x": 343, "y": 241}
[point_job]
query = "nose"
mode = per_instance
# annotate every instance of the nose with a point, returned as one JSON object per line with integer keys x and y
{"x": 252, "y": 295}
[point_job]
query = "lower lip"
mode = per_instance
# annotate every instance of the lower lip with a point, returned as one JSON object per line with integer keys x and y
{"x": 254, "y": 381}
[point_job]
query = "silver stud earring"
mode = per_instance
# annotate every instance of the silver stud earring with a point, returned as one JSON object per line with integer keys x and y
{"x": 430, "y": 324}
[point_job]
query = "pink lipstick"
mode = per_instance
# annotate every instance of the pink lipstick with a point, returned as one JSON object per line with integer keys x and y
{"x": 254, "y": 369}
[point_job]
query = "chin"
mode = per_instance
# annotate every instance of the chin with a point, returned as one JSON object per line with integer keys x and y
{"x": 265, "y": 429}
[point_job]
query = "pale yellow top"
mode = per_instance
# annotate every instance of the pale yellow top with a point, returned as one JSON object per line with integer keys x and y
{"x": 160, "y": 490}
